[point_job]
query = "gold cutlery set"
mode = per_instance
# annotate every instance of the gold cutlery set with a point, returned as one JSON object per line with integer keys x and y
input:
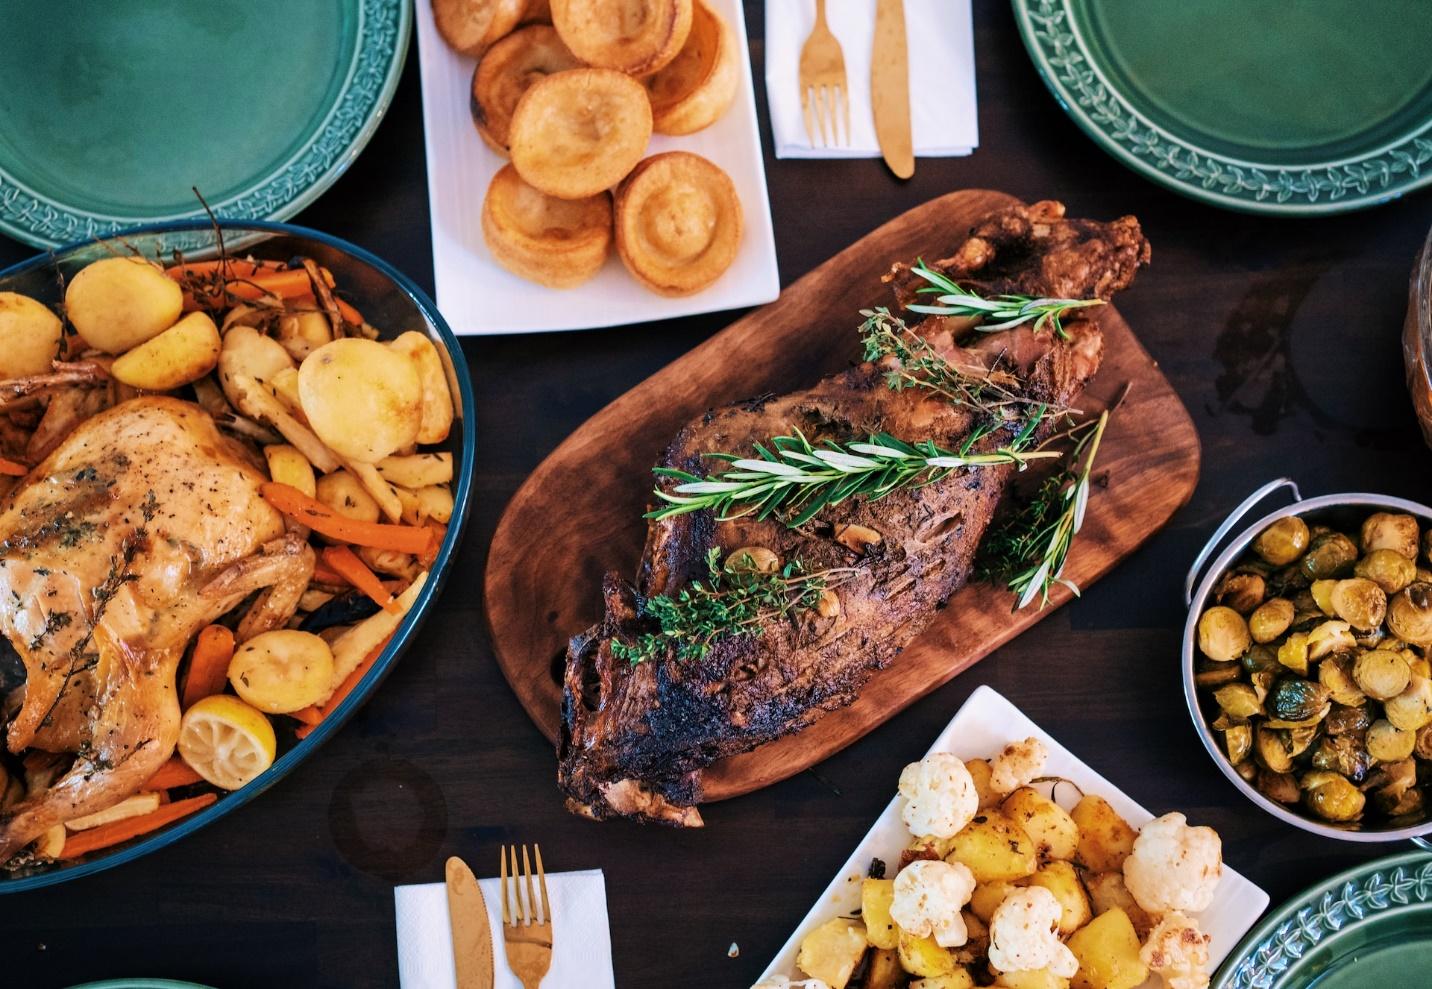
{"x": 526, "y": 921}
{"x": 825, "y": 100}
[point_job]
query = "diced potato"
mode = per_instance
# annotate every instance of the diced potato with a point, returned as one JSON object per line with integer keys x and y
{"x": 925, "y": 848}
{"x": 364, "y": 400}
{"x": 345, "y": 494}
{"x": 437, "y": 398}
{"x": 988, "y": 896}
{"x": 287, "y": 465}
{"x": 883, "y": 970}
{"x": 1107, "y": 890}
{"x": 302, "y": 333}
{"x": 184, "y": 353}
{"x": 994, "y": 847}
{"x": 875, "y": 898}
{"x": 117, "y": 303}
{"x": 1108, "y": 952}
{"x": 980, "y": 772}
{"x": 1062, "y": 880}
{"x": 922, "y": 956}
{"x": 831, "y": 951}
{"x": 958, "y": 979}
{"x": 1105, "y": 838}
{"x": 1055, "y": 834}
{"x": 417, "y": 470}
{"x": 31, "y": 333}
{"x": 1039, "y": 978}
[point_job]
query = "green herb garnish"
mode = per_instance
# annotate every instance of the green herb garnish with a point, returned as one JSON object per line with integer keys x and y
{"x": 1003, "y": 312}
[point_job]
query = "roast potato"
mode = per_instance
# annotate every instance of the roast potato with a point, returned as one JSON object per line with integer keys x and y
{"x": 115, "y": 304}
{"x": 678, "y": 223}
{"x": 699, "y": 84}
{"x": 1038, "y": 978}
{"x": 288, "y": 465}
{"x": 831, "y": 951}
{"x": 1061, "y": 879}
{"x": 184, "y": 353}
{"x": 1055, "y": 834}
{"x": 1105, "y": 838}
{"x": 1108, "y": 952}
{"x": 876, "y": 896}
{"x": 507, "y": 70}
{"x": 580, "y": 132}
{"x": 345, "y": 494}
{"x": 922, "y": 956}
{"x": 31, "y": 333}
{"x": 560, "y": 243}
{"x": 246, "y": 351}
{"x": 994, "y": 847}
{"x": 437, "y": 409}
{"x": 363, "y": 400}
{"x": 282, "y": 671}
{"x": 637, "y": 37}
{"x": 417, "y": 470}
{"x": 301, "y": 333}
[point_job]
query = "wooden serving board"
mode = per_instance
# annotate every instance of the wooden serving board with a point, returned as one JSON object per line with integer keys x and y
{"x": 580, "y": 513}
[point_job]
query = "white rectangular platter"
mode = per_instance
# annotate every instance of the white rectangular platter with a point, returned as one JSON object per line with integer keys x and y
{"x": 984, "y": 725}
{"x": 477, "y": 296}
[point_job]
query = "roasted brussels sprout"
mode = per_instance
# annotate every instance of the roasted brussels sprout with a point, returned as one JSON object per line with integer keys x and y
{"x": 1293, "y": 653}
{"x": 1238, "y": 742}
{"x": 1330, "y": 554}
{"x": 1299, "y": 740}
{"x": 1270, "y": 751}
{"x": 1248, "y": 770}
{"x": 1386, "y": 568}
{"x": 1283, "y": 541}
{"x": 1270, "y": 619}
{"x": 1345, "y": 720}
{"x": 1328, "y": 638}
{"x": 1359, "y": 602}
{"x": 1336, "y": 800}
{"x": 1238, "y": 700}
{"x": 1278, "y": 787}
{"x": 1381, "y": 674}
{"x": 1261, "y": 658}
{"x": 1223, "y": 634}
{"x": 1343, "y": 754}
{"x": 1388, "y": 743}
{"x": 1409, "y": 614}
{"x": 1335, "y": 673}
{"x": 1240, "y": 591}
{"x": 1384, "y": 530}
{"x": 1296, "y": 699}
{"x": 1411, "y": 709}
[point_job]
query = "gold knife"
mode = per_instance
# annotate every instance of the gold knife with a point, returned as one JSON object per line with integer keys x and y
{"x": 471, "y": 933}
{"x": 890, "y": 87}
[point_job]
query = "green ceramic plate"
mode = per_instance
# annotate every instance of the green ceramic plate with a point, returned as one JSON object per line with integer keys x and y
{"x": 1369, "y": 926}
{"x": 1267, "y": 106}
{"x": 111, "y": 112}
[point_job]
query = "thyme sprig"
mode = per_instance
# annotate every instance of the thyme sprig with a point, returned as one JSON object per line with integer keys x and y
{"x": 1003, "y": 312}
{"x": 1028, "y": 551}
{"x": 990, "y": 391}
{"x": 734, "y": 600}
{"x": 799, "y": 479}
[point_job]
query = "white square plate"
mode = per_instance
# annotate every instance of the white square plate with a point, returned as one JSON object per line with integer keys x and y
{"x": 477, "y": 296}
{"x": 984, "y": 725}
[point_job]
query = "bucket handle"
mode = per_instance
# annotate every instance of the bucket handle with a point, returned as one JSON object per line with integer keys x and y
{"x": 1234, "y": 517}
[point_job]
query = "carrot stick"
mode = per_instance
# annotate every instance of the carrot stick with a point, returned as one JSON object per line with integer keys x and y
{"x": 348, "y": 312}
{"x": 84, "y": 842}
{"x": 310, "y": 715}
{"x": 429, "y": 556}
{"x": 284, "y": 284}
{"x": 325, "y": 574}
{"x": 232, "y": 268}
{"x": 346, "y": 687}
{"x": 13, "y": 468}
{"x": 322, "y": 519}
{"x": 175, "y": 772}
{"x": 209, "y": 666}
{"x": 356, "y": 572}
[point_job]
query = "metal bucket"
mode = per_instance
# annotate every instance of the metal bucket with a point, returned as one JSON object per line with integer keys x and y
{"x": 1331, "y": 509}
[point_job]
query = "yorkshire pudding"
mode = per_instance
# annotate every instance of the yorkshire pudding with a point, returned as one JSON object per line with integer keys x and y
{"x": 506, "y": 15}
{"x": 678, "y": 223}
{"x": 579, "y": 132}
{"x": 555, "y": 242}
{"x": 633, "y": 36}
{"x": 464, "y": 24}
{"x": 505, "y": 73}
{"x": 697, "y": 86}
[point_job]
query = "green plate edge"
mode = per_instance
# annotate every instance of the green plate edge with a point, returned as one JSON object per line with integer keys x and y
{"x": 384, "y": 27}
{"x": 1101, "y": 111}
{"x": 1347, "y": 899}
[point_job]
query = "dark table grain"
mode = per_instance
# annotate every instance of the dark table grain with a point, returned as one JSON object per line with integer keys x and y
{"x": 1281, "y": 336}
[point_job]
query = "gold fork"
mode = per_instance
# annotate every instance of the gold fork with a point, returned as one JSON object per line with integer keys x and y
{"x": 822, "y": 79}
{"x": 528, "y": 943}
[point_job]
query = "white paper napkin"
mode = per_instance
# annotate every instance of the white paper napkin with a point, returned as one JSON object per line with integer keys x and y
{"x": 940, "y": 36}
{"x": 581, "y": 938}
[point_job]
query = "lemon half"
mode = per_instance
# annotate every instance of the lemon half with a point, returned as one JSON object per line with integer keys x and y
{"x": 226, "y": 741}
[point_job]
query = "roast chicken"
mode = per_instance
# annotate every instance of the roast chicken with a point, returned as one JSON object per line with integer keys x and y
{"x": 636, "y": 737}
{"x": 144, "y": 524}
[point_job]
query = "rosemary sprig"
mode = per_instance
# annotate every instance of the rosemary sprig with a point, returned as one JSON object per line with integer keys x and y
{"x": 987, "y": 390}
{"x": 1002, "y": 312}
{"x": 734, "y": 600}
{"x": 797, "y": 478}
{"x": 1028, "y": 551}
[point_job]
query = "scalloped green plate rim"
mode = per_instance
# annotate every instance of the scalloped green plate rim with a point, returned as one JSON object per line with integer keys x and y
{"x": 1232, "y": 102}
{"x": 109, "y": 114}
{"x": 1368, "y": 926}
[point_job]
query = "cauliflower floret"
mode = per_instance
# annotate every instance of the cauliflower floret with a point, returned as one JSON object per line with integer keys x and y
{"x": 782, "y": 982}
{"x": 1024, "y": 934}
{"x": 1019, "y": 763}
{"x": 1174, "y": 866}
{"x": 1178, "y": 951}
{"x": 928, "y": 898}
{"x": 940, "y": 796}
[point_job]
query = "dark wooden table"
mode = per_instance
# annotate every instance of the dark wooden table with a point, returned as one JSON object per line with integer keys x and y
{"x": 1280, "y": 335}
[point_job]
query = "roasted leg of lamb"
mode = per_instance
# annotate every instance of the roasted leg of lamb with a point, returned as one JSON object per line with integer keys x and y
{"x": 635, "y": 737}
